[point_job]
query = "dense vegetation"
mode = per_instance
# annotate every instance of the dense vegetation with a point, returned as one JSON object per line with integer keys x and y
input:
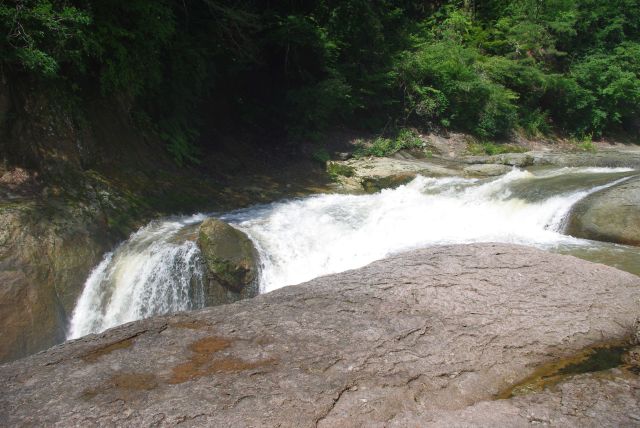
{"x": 297, "y": 68}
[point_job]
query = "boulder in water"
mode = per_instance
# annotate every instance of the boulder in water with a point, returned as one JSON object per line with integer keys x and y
{"x": 230, "y": 260}
{"x": 426, "y": 338}
{"x": 611, "y": 215}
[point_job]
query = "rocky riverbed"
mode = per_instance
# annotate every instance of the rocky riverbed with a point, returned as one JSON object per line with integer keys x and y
{"x": 429, "y": 337}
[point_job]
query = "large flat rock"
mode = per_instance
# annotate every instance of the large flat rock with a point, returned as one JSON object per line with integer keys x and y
{"x": 411, "y": 340}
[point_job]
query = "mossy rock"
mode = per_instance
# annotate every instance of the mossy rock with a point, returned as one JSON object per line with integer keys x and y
{"x": 229, "y": 256}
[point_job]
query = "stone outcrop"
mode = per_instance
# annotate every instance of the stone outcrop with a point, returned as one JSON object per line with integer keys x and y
{"x": 486, "y": 170}
{"x": 231, "y": 262}
{"x": 429, "y": 337}
{"x": 372, "y": 174}
{"x": 616, "y": 158}
{"x": 611, "y": 215}
{"x": 520, "y": 160}
{"x": 46, "y": 253}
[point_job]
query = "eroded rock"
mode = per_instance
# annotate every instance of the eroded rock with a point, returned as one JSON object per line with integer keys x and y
{"x": 373, "y": 174}
{"x": 486, "y": 170}
{"x": 611, "y": 215}
{"x": 231, "y": 261}
{"x": 425, "y": 337}
{"x": 46, "y": 253}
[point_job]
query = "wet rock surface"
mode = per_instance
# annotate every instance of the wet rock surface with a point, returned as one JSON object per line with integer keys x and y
{"x": 486, "y": 170}
{"x": 231, "y": 262}
{"x": 608, "y": 399}
{"x": 428, "y": 337}
{"x": 611, "y": 215}
{"x": 373, "y": 174}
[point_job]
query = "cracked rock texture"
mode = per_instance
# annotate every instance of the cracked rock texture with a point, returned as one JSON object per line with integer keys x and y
{"x": 428, "y": 337}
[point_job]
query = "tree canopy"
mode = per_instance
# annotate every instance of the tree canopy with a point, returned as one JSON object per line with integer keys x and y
{"x": 298, "y": 68}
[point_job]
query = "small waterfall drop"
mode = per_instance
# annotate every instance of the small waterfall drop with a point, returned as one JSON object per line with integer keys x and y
{"x": 319, "y": 235}
{"x": 155, "y": 271}
{"x": 151, "y": 273}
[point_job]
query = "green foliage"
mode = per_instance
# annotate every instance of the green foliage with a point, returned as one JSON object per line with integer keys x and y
{"x": 584, "y": 144}
{"x": 321, "y": 155}
{"x": 445, "y": 83}
{"x": 41, "y": 36}
{"x": 336, "y": 170}
{"x": 380, "y": 147}
{"x": 179, "y": 138}
{"x": 488, "y": 148}
{"x": 535, "y": 123}
{"x": 296, "y": 69}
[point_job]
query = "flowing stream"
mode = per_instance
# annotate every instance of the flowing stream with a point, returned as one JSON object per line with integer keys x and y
{"x": 157, "y": 270}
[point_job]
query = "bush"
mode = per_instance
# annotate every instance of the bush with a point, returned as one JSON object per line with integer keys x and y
{"x": 535, "y": 123}
{"x": 380, "y": 147}
{"x": 321, "y": 155}
{"x": 487, "y": 148}
{"x": 445, "y": 83}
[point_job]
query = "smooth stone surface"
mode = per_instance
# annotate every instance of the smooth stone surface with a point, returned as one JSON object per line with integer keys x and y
{"x": 611, "y": 215}
{"x": 412, "y": 340}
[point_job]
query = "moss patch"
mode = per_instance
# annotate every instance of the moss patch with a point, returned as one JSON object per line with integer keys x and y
{"x": 594, "y": 359}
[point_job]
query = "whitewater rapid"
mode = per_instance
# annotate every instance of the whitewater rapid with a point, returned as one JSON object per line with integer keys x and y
{"x": 149, "y": 274}
{"x": 298, "y": 240}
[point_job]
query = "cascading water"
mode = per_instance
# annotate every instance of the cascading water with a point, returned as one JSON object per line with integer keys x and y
{"x": 302, "y": 239}
{"x": 151, "y": 273}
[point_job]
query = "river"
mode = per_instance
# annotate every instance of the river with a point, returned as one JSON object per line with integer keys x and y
{"x": 157, "y": 271}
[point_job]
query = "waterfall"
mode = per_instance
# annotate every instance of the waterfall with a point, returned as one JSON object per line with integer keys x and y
{"x": 157, "y": 271}
{"x": 150, "y": 273}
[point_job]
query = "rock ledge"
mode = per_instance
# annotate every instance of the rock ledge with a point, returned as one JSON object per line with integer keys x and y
{"x": 423, "y": 338}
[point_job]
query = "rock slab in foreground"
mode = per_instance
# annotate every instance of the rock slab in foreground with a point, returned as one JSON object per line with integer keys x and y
{"x": 412, "y": 340}
{"x": 611, "y": 215}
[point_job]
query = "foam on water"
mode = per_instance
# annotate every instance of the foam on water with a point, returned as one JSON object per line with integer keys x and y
{"x": 152, "y": 273}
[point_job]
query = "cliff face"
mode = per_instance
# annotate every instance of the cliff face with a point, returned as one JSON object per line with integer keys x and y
{"x": 426, "y": 337}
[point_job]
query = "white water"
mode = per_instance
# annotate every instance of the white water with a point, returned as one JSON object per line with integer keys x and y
{"x": 302, "y": 239}
{"x": 146, "y": 275}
